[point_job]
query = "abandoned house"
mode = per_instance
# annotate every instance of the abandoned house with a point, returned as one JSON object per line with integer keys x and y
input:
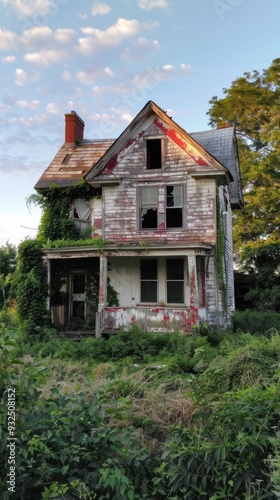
{"x": 158, "y": 226}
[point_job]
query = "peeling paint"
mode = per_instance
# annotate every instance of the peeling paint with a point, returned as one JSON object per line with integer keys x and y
{"x": 117, "y": 157}
{"x": 182, "y": 144}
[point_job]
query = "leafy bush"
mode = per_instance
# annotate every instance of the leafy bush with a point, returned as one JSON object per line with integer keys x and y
{"x": 223, "y": 454}
{"x": 255, "y": 322}
{"x": 248, "y": 365}
{"x": 31, "y": 286}
{"x": 81, "y": 440}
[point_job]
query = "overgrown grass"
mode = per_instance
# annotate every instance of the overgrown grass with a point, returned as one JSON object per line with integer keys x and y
{"x": 191, "y": 415}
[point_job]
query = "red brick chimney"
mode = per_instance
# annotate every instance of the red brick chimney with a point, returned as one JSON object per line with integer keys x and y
{"x": 74, "y": 128}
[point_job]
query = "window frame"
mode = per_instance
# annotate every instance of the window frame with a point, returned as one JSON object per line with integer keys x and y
{"x": 148, "y": 141}
{"x": 151, "y": 206}
{"x": 152, "y": 280}
{"x": 166, "y": 208}
{"x": 181, "y": 280}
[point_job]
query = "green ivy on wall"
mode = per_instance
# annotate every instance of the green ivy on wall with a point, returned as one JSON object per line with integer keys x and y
{"x": 30, "y": 283}
{"x": 220, "y": 251}
{"x": 55, "y": 203}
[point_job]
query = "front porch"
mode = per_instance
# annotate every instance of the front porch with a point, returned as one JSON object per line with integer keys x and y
{"x": 148, "y": 319}
{"x": 159, "y": 289}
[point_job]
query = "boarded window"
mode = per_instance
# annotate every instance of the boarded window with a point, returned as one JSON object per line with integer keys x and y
{"x": 175, "y": 281}
{"x": 154, "y": 156}
{"x": 174, "y": 206}
{"x": 148, "y": 216}
{"x": 149, "y": 280}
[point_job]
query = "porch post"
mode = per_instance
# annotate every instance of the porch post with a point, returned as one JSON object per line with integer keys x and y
{"x": 102, "y": 283}
{"x": 193, "y": 290}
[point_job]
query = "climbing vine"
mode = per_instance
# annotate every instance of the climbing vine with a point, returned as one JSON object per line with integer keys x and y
{"x": 55, "y": 203}
{"x": 31, "y": 286}
{"x": 220, "y": 251}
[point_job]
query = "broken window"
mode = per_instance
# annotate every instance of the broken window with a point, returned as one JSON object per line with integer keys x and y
{"x": 154, "y": 156}
{"x": 148, "y": 216}
{"x": 175, "y": 281}
{"x": 174, "y": 206}
{"x": 80, "y": 212}
{"x": 149, "y": 280}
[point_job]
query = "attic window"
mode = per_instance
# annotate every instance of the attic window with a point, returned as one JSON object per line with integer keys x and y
{"x": 154, "y": 154}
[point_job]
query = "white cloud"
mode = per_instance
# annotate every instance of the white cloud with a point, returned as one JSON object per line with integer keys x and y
{"x": 29, "y": 7}
{"x": 100, "y": 8}
{"x": 8, "y": 40}
{"x": 140, "y": 49}
{"x": 24, "y": 78}
{"x": 114, "y": 35}
{"x": 53, "y": 108}
{"x": 98, "y": 90}
{"x": 91, "y": 76}
{"x": 127, "y": 117}
{"x": 33, "y": 36}
{"x": 151, "y": 4}
{"x": 64, "y": 35}
{"x": 9, "y": 59}
{"x": 46, "y": 57}
{"x": 23, "y": 103}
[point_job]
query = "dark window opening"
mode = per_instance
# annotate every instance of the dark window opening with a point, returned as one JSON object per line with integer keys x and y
{"x": 148, "y": 215}
{"x": 154, "y": 159}
{"x": 149, "y": 280}
{"x": 79, "y": 283}
{"x": 174, "y": 210}
{"x": 175, "y": 281}
{"x": 201, "y": 282}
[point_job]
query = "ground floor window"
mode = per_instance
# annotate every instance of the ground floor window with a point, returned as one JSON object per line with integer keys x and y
{"x": 175, "y": 281}
{"x": 166, "y": 276}
{"x": 149, "y": 283}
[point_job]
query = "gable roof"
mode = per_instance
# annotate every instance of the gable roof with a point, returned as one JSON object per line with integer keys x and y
{"x": 214, "y": 153}
{"x": 151, "y": 113}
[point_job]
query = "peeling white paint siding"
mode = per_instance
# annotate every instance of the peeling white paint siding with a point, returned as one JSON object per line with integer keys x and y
{"x": 124, "y": 275}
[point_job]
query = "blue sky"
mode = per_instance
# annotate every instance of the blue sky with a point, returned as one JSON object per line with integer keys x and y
{"x": 105, "y": 60}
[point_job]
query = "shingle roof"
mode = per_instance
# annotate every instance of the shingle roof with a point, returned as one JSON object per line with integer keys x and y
{"x": 221, "y": 143}
{"x": 86, "y": 159}
{"x": 72, "y": 163}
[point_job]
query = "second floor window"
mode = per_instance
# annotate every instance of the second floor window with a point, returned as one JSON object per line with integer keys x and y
{"x": 149, "y": 208}
{"x": 174, "y": 206}
{"x": 80, "y": 213}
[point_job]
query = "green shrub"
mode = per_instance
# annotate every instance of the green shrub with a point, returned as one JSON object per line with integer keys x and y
{"x": 223, "y": 454}
{"x": 255, "y": 322}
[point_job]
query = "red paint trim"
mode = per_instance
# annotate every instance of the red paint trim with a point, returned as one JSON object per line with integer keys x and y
{"x": 172, "y": 134}
{"x": 117, "y": 157}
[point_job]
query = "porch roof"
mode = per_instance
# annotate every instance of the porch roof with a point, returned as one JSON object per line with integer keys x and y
{"x": 198, "y": 248}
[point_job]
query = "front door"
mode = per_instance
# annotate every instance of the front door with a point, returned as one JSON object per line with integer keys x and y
{"x": 77, "y": 297}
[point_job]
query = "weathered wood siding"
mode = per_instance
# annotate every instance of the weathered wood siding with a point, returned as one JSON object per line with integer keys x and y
{"x": 121, "y": 203}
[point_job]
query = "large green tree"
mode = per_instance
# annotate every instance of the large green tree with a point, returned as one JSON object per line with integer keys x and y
{"x": 252, "y": 105}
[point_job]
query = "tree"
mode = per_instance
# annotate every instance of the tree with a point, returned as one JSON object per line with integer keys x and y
{"x": 252, "y": 105}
